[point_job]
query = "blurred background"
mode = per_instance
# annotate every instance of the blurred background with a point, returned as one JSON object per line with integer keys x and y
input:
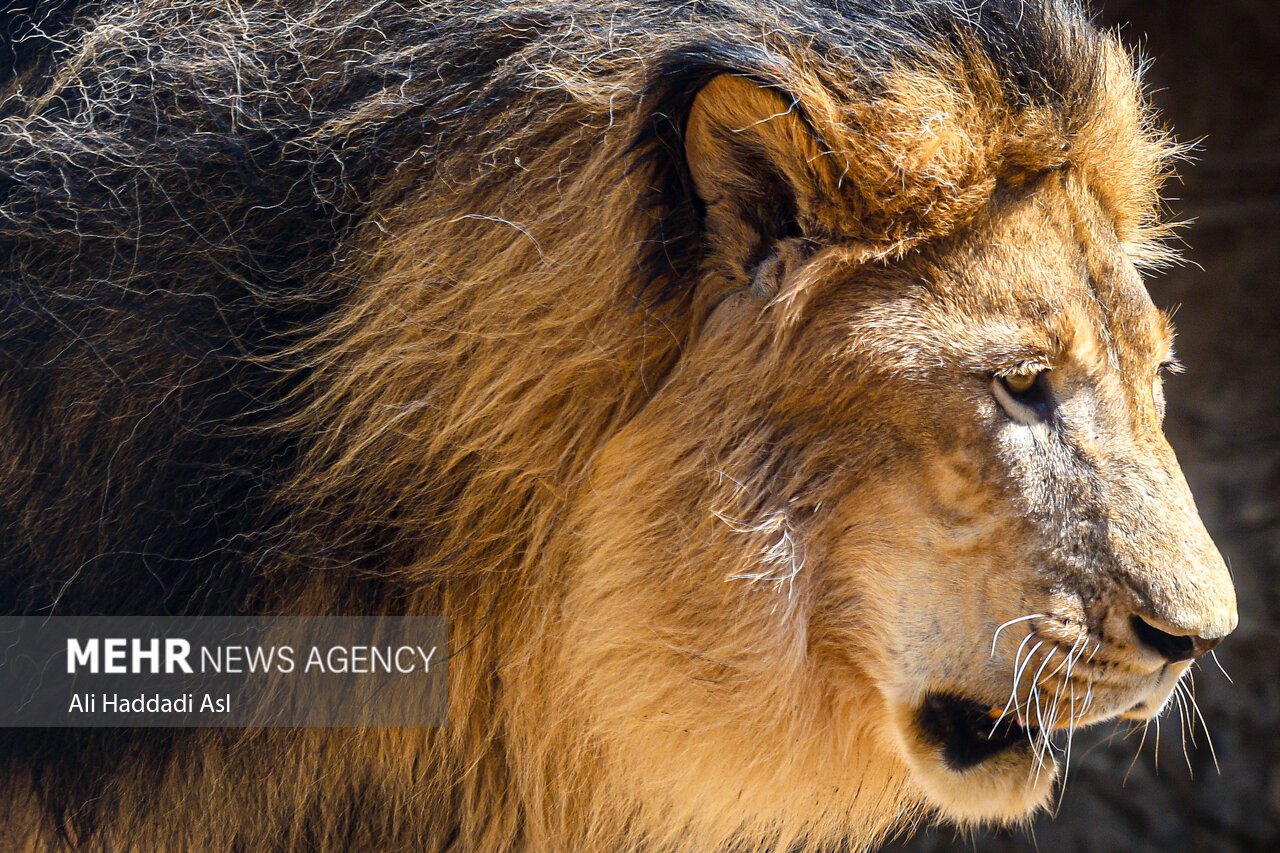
{"x": 1216, "y": 77}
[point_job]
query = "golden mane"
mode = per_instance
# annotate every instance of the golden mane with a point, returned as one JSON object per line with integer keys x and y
{"x": 422, "y": 267}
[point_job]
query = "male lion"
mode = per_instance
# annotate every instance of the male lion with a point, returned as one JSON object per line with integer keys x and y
{"x": 763, "y": 389}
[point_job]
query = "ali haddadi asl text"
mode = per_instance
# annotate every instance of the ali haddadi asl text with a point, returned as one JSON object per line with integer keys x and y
{"x": 94, "y": 703}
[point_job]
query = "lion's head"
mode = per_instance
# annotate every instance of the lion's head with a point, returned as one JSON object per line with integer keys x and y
{"x": 867, "y": 505}
{"x": 902, "y": 517}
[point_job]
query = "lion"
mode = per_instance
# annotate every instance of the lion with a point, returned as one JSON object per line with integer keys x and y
{"x": 765, "y": 392}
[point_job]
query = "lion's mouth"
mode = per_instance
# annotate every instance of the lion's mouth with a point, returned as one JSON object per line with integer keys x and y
{"x": 966, "y": 732}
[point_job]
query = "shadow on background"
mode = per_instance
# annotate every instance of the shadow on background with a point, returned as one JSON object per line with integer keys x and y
{"x": 1216, "y": 77}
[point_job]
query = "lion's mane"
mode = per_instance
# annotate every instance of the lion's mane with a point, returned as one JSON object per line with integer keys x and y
{"x": 329, "y": 306}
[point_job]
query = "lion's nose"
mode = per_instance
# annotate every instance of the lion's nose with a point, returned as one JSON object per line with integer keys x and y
{"x": 1174, "y": 647}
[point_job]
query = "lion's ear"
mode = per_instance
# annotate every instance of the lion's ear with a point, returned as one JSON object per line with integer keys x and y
{"x": 759, "y": 169}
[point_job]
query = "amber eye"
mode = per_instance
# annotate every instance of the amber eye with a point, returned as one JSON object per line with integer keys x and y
{"x": 1024, "y": 395}
{"x": 1020, "y": 383}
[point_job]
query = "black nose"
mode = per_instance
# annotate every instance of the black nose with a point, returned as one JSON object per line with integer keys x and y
{"x": 1174, "y": 647}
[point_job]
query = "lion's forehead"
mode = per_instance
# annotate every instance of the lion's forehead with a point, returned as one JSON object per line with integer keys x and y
{"x": 1044, "y": 279}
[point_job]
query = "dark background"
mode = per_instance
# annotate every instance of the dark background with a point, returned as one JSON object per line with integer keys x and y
{"x": 1216, "y": 78}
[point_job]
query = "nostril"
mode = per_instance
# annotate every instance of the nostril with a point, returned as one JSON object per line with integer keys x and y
{"x": 1173, "y": 646}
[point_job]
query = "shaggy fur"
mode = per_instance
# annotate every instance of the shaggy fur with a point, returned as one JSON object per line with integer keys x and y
{"x": 596, "y": 327}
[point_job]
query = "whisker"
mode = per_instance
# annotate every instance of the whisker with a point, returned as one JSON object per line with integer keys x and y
{"x": 1024, "y": 713}
{"x": 1137, "y": 753}
{"x": 1088, "y": 688}
{"x": 1066, "y": 760}
{"x": 1182, "y": 726}
{"x": 1195, "y": 706}
{"x": 1191, "y": 722}
{"x": 1088, "y": 696}
{"x": 1134, "y": 728}
{"x": 1017, "y": 676}
{"x": 1036, "y": 681}
{"x": 1067, "y": 662}
{"x": 1156, "y": 720}
{"x": 1044, "y": 746}
{"x": 1110, "y": 741}
{"x": 1074, "y": 657}
{"x": 996, "y": 637}
{"x": 1047, "y": 728}
{"x": 1004, "y": 712}
{"x": 1214, "y": 654}
{"x": 1048, "y": 722}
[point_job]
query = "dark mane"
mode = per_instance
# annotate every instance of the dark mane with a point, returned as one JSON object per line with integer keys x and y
{"x": 179, "y": 186}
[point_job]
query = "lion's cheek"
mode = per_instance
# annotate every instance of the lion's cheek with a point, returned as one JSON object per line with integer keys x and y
{"x": 697, "y": 680}
{"x": 932, "y": 570}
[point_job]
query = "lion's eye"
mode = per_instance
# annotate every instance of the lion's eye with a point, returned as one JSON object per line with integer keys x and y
{"x": 1024, "y": 394}
{"x": 1020, "y": 383}
{"x": 1170, "y": 366}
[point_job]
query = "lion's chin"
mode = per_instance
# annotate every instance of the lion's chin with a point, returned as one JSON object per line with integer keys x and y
{"x": 972, "y": 770}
